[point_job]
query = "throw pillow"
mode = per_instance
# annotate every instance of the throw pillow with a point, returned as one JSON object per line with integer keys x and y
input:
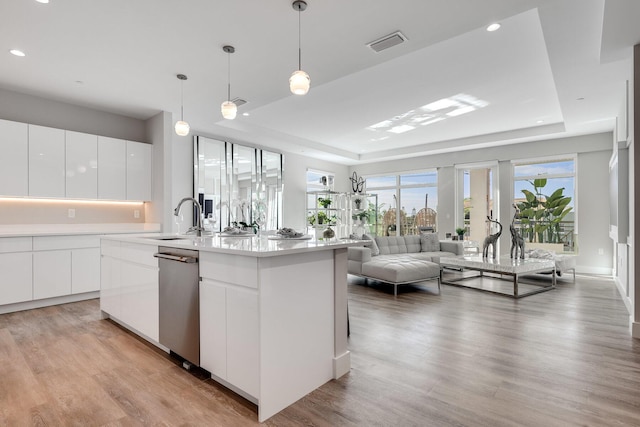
{"x": 429, "y": 242}
{"x": 374, "y": 246}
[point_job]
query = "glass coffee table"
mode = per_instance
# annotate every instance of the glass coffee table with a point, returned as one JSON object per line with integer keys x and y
{"x": 497, "y": 269}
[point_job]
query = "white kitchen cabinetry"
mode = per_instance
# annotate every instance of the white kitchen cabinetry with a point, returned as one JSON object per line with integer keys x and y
{"x": 213, "y": 327}
{"x": 51, "y": 274}
{"x": 110, "y": 269}
{"x": 229, "y": 331}
{"x": 65, "y": 265}
{"x": 85, "y": 270}
{"x": 112, "y": 168}
{"x": 14, "y": 161}
{"x": 46, "y": 162}
{"x": 138, "y": 171}
{"x": 16, "y": 268}
{"x": 243, "y": 336}
{"x": 81, "y": 165}
{"x": 129, "y": 289}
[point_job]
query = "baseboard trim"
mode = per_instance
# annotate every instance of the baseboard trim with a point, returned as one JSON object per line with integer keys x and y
{"x": 29, "y": 305}
{"x": 635, "y": 330}
{"x": 623, "y": 295}
{"x": 600, "y": 271}
{"x": 341, "y": 364}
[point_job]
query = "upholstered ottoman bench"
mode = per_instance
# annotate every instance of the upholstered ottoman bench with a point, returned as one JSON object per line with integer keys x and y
{"x": 401, "y": 270}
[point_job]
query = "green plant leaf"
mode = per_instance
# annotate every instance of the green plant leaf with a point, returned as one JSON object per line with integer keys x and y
{"x": 539, "y": 182}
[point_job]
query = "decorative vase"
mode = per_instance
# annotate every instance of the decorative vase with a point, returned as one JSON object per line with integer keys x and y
{"x": 329, "y": 233}
{"x": 357, "y": 202}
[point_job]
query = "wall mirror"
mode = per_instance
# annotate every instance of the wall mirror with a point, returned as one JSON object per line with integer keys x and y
{"x": 237, "y": 184}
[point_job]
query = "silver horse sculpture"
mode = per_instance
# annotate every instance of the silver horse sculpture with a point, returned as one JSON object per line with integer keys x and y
{"x": 517, "y": 242}
{"x": 491, "y": 240}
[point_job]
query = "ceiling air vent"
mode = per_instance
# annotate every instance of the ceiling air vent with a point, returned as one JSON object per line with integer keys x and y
{"x": 388, "y": 41}
{"x": 238, "y": 101}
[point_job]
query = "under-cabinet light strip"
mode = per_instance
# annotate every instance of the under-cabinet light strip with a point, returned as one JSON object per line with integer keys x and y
{"x": 96, "y": 202}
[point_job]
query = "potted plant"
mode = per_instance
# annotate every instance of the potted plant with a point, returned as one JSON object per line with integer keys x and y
{"x": 542, "y": 215}
{"x": 362, "y": 216}
{"x": 460, "y": 232}
{"x": 322, "y": 218}
{"x": 325, "y": 203}
{"x": 357, "y": 202}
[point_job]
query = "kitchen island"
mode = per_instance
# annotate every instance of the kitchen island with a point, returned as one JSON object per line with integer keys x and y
{"x": 273, "y": 313}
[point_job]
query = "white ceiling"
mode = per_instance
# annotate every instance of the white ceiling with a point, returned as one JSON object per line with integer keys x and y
{"x": 555, "y": 68}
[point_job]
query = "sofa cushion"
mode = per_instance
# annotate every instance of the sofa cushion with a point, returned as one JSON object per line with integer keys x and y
{"x": 371, "y": 244}
{"x": 429, "y": 242}
{"x": 388, "y": 269}
{"x": 413, "y": 243}
{"x": 391, "y": 245}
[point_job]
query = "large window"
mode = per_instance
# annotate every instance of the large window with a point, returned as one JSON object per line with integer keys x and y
{"x": 544, "y": 191}
{"x": 406, "y": 203}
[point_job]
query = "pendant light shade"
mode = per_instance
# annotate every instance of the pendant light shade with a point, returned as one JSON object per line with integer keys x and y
{"x": 228, "y": 108}
{"x": 299, "y": 82}
{"x": 182, "y": 127}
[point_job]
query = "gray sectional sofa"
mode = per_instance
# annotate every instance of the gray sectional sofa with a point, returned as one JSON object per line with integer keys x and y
{"x": 401, "y": 259}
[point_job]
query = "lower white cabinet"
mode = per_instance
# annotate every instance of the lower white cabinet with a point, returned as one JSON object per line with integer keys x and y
{"x": 16, "y": 277}
{"x": 51, "y": 274}
{"x": 129, "y": 286}
{"x": 65, "y": 265}
{"x": 85, "y": 270}
{"x": 229, "y": 333}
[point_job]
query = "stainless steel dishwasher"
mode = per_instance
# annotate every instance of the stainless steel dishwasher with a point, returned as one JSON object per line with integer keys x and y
{"x": 179, "y": 302}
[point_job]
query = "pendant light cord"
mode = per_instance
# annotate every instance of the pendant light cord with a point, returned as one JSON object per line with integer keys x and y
{"x": 182, "y": 100}
{"x": 299, "y": 44}
{"x": 229, "y": 76}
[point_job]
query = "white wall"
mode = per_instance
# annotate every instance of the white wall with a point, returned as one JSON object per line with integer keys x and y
{"x": 593, "y": 151}
{"x": 44, "y": 112}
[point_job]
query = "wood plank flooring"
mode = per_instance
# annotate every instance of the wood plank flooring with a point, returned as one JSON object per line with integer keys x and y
{"x": 459, "y": 358}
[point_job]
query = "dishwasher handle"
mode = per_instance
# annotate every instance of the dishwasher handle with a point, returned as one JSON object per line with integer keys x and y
{"x": 179, "y": 258}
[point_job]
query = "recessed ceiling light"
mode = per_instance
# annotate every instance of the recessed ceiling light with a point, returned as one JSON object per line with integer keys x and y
{"x": 245, "y": 114}
{"x": 43, "y": 1}
{"x": 493, "y": 27}
{"x": 17, "y": 52}
{"x": 540, "y": 121}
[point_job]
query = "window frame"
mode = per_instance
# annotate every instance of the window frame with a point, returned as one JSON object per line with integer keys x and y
{"x": 552, "y": 159}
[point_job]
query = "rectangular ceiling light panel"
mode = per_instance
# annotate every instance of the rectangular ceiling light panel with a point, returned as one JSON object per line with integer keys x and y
{"x": 388, "y": 41}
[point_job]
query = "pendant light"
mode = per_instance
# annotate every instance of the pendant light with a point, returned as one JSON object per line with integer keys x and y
{"x": 182, "y": 127}
{"x": 228, "y": 108}
{"x": 299, "y": 81}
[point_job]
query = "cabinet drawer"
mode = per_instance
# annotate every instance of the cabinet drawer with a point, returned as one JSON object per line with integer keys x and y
{"x": 139, "y": 254}
{"x": 48, "y": 243}
{"x": 238, "y": 270}
{"x": 15, "y": 244}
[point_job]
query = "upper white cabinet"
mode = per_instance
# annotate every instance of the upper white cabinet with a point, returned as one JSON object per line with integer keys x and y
{"x": 46, "y": 162}
{"x": 138, "y": 171}
{"x": 112, "y": 169}
{"x": 40, "y": 161}
{"x": 81, "y": 165}
{"x": 14, "y": 161}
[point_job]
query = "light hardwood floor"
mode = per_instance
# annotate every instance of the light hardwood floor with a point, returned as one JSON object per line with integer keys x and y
{"x": 461, "y": 358}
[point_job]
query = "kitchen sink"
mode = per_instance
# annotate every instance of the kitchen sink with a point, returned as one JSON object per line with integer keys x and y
{"x": 169, "y": 238}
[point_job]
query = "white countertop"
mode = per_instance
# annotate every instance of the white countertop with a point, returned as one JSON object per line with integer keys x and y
{"x": 248, "y": 246}
{"x": 26, "y": 230}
